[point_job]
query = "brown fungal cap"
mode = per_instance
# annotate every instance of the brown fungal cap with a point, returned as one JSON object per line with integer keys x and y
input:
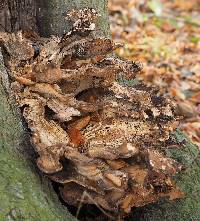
{"x": 91, "y": 133}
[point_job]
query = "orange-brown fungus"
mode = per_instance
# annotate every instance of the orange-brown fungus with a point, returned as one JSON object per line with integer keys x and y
{"x": 113, "y": 136}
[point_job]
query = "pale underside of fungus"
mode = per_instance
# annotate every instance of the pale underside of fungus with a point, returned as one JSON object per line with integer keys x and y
{"x": 92, "y": 134}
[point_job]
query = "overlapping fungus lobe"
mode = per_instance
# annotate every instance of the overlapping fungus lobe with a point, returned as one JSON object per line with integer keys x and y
{"x": 92, "y": 134}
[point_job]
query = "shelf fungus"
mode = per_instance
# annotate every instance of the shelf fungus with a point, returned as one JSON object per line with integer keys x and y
{"x": 92, "y": 134}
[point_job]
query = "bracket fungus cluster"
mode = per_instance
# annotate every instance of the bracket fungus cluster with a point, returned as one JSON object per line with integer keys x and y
{"x": 91, "y": 133}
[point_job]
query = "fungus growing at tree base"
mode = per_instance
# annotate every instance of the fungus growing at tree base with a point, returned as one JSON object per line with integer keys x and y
{"x": 92, "y": 134}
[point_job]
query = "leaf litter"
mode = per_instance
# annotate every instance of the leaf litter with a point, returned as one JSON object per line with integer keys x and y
{"x": 165, "y": 35}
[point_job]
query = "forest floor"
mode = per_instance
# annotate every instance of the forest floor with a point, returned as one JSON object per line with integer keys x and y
{"x": 165, "y": 36}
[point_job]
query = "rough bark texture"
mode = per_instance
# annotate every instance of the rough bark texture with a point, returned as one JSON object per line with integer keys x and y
{"x": 50, "y": 15}
{"x": 18, "y": 14}
{"x": 25, "y": 195}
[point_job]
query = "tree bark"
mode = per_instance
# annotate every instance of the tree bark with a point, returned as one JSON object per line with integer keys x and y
{"x": 18, "y": 14}
{"x": 25, "y": 194}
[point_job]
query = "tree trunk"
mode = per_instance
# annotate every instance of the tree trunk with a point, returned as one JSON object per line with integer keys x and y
{"x": 18, "y": 14}
{"x": 25, "y": 195}
{"x": 51, "y": 16}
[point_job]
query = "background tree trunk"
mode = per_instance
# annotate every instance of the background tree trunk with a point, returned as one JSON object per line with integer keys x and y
{"x": 25, "y": 195}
